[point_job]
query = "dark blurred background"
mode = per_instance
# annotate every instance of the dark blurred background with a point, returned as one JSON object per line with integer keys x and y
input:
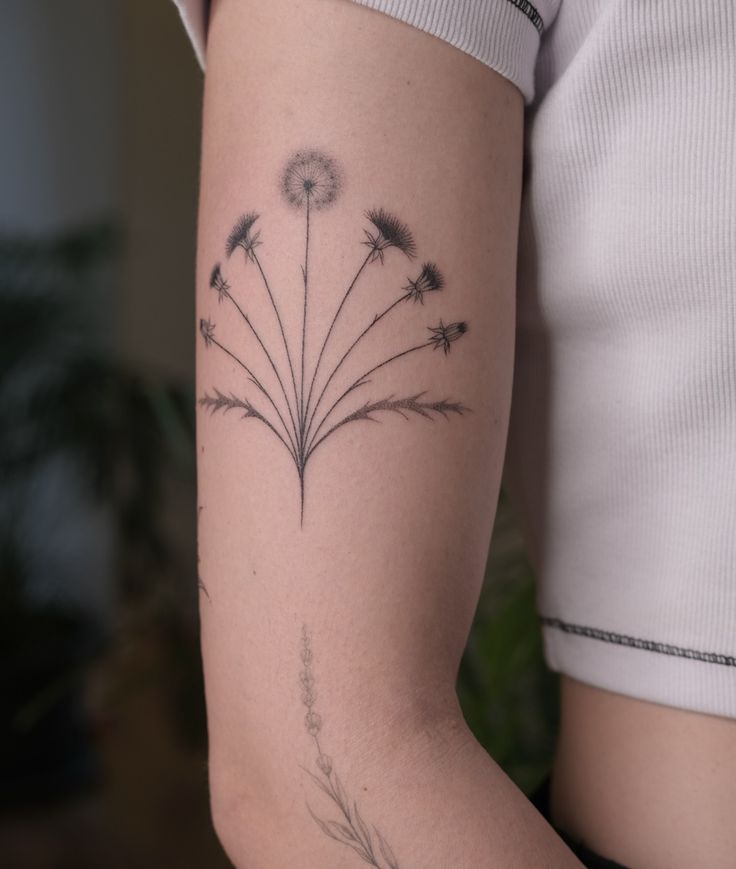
{"x": 103, "y": 742}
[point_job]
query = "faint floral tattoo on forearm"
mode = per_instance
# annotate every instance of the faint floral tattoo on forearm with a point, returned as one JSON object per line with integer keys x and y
{"x": 350, "y": 829}
{"x": 295, "y": 413}
{"x": 200, "y": 582}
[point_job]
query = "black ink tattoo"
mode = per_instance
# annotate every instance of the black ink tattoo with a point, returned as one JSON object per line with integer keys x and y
{"x": 351, "y": 829}
{"x": 311, "y": 182}
{"x": 203, "y": 588}
{"x": 200, "y": 582}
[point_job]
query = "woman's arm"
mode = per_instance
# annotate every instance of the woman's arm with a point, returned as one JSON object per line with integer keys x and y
{"x": 359, "y": 213}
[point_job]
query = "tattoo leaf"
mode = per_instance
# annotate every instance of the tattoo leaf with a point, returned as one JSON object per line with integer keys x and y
{"x": 318, "y": 781}
{"x": 342, "y": 834}
{"x": 354, "y": 833}
{"x": 345, "y": 831}
{"x": 402, "y": 406}
{"x": 223, "y": 402}
{"x": 340, "y": 796}
{"x": 411, "y": 403}
{"x": 388, "y": 854}
{"x": 363, "y": 829}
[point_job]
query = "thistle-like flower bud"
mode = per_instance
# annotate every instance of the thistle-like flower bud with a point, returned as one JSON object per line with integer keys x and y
{"x": 324, "y": 762}
{"x": 313, "y": 722}
{"x": 218, "y": 283}
{"x": 241, "y": 236}
{"x": 207, "y": 330}
{"x": 442, "y": 335}
{"x": 429, "y": 280}
{"x": 389, "y": 232}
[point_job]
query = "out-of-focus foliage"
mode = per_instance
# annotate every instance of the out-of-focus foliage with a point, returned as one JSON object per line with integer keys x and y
{"x": 64, "y": 397}
{"x": 508, "y": 695}
{"x": 61, "y": 392}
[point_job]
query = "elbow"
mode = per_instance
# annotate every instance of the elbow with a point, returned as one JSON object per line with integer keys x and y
{"x": 239, "y": 818}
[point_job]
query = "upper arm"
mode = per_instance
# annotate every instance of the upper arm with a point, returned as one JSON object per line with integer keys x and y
{"x": 385, "y": 565}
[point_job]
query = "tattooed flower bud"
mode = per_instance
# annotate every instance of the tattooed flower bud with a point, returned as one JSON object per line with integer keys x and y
{"x": 324, "y": 762}
{"x": 217, "y": 282}
{"x": 429, "y": 280}
{"x": 389, "y": 232}
{"x": 309, "y": 696}
{"x": 207, "y": 330}
{"x": 310, "y": 177}
{"x": 241, "y": 236}
{"x": 313, "y": 723}
{"x": 443, "y": 336}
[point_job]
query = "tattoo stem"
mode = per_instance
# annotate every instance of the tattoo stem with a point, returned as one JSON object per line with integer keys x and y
{"x": 347, "y": 353}
{"x": 257, "y": 261}
{"x": 304, "y": 326}
{"x": 292, "y": 448}
{"x": 354, "y": 385}
{"x": 246, "y": 318}
{"x": 334, "y": 320}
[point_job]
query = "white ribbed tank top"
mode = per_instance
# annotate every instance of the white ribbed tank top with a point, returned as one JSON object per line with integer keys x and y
{"x": 621, "y": 457}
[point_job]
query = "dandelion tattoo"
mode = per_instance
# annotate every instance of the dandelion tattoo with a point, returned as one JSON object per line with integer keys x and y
{"x": 351, "y": 830}
{"x": 295, "y": 413}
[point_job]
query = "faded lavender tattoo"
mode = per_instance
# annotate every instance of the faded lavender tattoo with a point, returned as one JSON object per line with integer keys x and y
{"x": 350, "y": 829}
{"x": 310, "y": 183}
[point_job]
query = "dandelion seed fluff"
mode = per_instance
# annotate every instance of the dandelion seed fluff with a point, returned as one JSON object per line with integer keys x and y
{"x": 310, "y": 175}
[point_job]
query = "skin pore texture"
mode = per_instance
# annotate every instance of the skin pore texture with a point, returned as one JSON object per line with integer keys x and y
{"x": 356, "y": 305}
{"x": 650, "y": 785}
{"x": 331, "y": 636}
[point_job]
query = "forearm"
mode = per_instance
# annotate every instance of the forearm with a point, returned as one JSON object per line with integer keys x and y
{"x": 404, "y": 794}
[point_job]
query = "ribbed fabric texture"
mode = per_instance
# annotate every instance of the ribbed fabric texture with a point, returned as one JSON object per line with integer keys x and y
{"x": 621, "y": 458}
{"x": 622, "y": 445}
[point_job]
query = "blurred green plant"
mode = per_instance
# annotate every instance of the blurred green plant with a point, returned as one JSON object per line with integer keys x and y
{"x": 508, "y": 695}
{"x": 63, "y": 394}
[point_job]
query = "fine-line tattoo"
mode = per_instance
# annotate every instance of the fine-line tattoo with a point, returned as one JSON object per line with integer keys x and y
{"x": 351, "y": 829}
{"x": 310, "y": 183}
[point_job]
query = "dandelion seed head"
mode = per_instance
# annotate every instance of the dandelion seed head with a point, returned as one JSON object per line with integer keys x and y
{"x": 310, "y": 176}
{"x": 389, "y": 232}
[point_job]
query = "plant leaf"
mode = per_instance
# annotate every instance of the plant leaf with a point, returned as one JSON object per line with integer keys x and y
{"x": 320, "y": 784}
{"x": 363, "y": 830}
{"x": 341, "y": 796}
{"x": 388, "y": 854}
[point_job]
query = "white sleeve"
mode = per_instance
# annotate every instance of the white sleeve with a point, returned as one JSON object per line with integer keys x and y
{"x": 194, "y": 14}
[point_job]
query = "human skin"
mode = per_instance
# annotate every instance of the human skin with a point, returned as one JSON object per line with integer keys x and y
{"x": 333, "y": 626}
{"x": 649, "y": 785}
{"x": 376, "y": 584}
